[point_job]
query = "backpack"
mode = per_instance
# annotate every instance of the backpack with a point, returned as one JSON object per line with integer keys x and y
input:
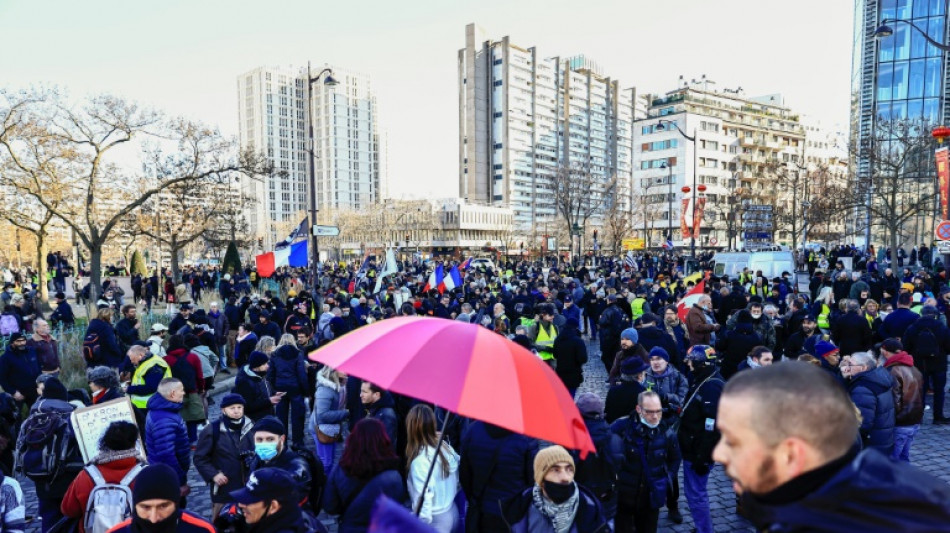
{"x": 109, "y": 503}
{"x": 8, "y": 325}
{"x": 596, "y": 473}
{"x": 925, "y": 344}
{"x": 90, "y": 347}
{"x": 45, "y": 445}
{"x": 318, "y": 477}
{"x": 184, "y": 372}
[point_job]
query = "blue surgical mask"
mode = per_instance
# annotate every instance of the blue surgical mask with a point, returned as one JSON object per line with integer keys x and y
{"x": 265, "y": 450}
{"x": 649, "y": 425}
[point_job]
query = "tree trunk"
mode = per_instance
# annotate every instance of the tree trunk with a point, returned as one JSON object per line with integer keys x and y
{"x": 95, "y": 271}
{"x": 176, "y": 272}
{"x": 41, "y": 250}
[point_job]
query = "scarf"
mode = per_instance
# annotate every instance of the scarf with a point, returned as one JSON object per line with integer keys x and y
{"x": 561, "y": 515}
{"x": 107, "y": 456}
{"x": 752, "y": 362}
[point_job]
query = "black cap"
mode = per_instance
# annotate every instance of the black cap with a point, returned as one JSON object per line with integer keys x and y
{"x": 157, "y": 482}
{"x": 265, "y": 484}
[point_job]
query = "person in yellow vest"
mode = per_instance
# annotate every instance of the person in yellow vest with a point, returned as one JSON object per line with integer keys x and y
{"x": 546, "y": 333}
{"x": 822, "y": 308}
{"x": 150, "y": 370}
{"x": 639, "y": 306}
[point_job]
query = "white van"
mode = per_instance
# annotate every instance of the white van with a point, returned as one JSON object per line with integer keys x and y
{"x": 772, "y": 264}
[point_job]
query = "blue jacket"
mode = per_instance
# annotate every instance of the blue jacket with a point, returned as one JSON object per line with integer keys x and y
{"x": 650, "y": 459}
{"x": 166, "y": 437}
{"x": 572, "y": 312}
{"x": 243, "y": 349}
{"x": 513, "y": 470}
{"x": 110, "y": 353}
{"x": 870, "y": 494}
{"x": 897, "y": 323}
{"x": 523, "y": 517}
{"x": 18, "y": 371}
{"x": 288, "y": 371}
{"x": 871, "y": 393}
{"x": 63, "y": 314}
{"x": 354, "y": 501}
{"x": 269, "y": 329}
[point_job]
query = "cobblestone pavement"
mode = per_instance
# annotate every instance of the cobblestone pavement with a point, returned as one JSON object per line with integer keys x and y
{"x": 929, "y": 453}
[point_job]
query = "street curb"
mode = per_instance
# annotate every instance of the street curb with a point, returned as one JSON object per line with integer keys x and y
{"x": 221, "y": 387}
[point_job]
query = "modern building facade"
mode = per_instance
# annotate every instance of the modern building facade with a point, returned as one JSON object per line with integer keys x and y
{"x": 273, "y": 115}
{"x": 741, "y": 144}
{"x": 524, "y": 116}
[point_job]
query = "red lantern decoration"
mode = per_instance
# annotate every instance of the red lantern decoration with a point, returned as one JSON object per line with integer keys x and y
{"x": 940, "y": 133}
{"x": 685, "y": 189}
{"x": 701, "y": 188}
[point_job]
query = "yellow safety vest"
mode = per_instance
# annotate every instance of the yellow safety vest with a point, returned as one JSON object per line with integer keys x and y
{"x": 823, "y": 317}
{"x": 870, "y": 319}
{"x": 138, "y": 378}
{"x": 636, "y": 308}
{"x": 765, "y": 291}
{"x": 545, "y": 342}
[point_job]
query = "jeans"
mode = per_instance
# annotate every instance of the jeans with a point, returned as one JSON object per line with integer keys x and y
{"x": 940, "y": 388}
{"x": 697, "y": 498}
{"x": 296, "y": 406}
{"x": 223, "y": 356}
{"x": 903, "y": 438}
{"x": 326, "y": 453}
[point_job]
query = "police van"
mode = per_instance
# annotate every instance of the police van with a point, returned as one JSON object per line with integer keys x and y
{"x": 772, "y": 263}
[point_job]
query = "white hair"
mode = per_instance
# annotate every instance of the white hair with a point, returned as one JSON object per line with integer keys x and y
{"x": 865, "y": 359}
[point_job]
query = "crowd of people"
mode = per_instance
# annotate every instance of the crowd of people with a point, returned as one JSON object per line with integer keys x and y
{"x": 800, "y": 395}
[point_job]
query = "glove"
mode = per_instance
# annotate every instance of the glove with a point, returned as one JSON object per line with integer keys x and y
{"x": 701, "y": 469}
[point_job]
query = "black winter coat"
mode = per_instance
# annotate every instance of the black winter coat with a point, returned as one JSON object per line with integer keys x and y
{"x": 650, "y": 457}
{"x": 226, "y": 456}
{"x": 622, "y": 400}
{"x": 702, "y": 403}
{"x": 910, "y": 340}
{"x": 18, "y": 372}
{"x": 513, "y": 471}
{"x": 267, "y": 329}
{"x": 570, "y": 352}
{"x": 871, "y": 393}
{"x": 735, "y": 347}
{"x": 653, "y": 336}
{"x": 610, "y": 447}
{"x": 852, "y": 333}
{"x": 110, "y": 353}
{"x": 288, "y": 371}
{"x": 256, "y": 393}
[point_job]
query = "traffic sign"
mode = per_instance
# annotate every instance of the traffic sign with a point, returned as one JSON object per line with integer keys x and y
{"x": 942, "y": 230}
{"x": 943, "y": 247}
{"x": 325, "y": 231}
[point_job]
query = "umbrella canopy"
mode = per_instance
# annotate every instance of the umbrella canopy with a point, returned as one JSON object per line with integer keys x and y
{"x": 466, "y": 369}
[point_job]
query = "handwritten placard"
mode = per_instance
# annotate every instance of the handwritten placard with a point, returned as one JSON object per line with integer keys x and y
{"x": 91, "y": 422}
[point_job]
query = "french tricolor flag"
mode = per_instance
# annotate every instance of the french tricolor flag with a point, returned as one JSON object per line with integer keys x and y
{"x": 466, "y": 264}
{"x": 294, "y": 255}
{"x": 435, "y": 279}
{"x": 453, "y": 280}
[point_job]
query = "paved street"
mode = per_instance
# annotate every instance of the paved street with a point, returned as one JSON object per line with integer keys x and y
{"x": 929, "y": 453}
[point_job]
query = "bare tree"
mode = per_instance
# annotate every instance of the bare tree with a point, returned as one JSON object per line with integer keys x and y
{"x": 581, "y": 194}
{"x": 618, "y": 225}
{"x": 50, "y": 143}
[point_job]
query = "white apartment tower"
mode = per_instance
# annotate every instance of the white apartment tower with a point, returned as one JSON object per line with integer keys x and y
{"x": 273, "y": 119}
{"x": 523, "y": 115}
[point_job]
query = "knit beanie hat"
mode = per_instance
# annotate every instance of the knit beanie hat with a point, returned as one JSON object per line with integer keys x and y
{"x": 547, "y": 458}
{"x": 657, "y": 351}
{"x": 102, "y": 376}
{"x": 270, "y": 424}
{"x": 630, "y": 334}
{"x": 156, "y": 482}
{"x": 257, "y": 359}
{"x": 53, "y": 389}
{"x": 824, "y": 349}
{"x": 590, "y": 405}
{"x": 232, "y": 399}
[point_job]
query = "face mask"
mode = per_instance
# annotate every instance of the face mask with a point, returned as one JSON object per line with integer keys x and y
{"x": 265, "y": 450}
{"x": 168, "y": 524}
{"x": 557, "y": 492}
{"x": 260, "y": 373}
{"x": 756, "y": 315}
{"x": 649, "y": 425}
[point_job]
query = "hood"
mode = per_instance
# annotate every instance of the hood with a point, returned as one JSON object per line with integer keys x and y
{"x": 158, "y": 403}
{"x": 287, "y": 352}
{"x": 322, "y": 381}
{"x": 900, "y": 358}
{"x": 250, "y": 373}
{"x": 597, "y": 427}
{"x": 177, "y": 352}
{"x": 325, "y": 319}
{"x": 50, "y": 405}
{"x": 202, "y": 349}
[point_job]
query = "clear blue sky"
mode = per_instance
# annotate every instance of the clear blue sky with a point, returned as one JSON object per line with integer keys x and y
{"x": 183, "y": 57}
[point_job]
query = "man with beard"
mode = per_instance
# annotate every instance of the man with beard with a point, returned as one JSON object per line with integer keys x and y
{"x": 799, "y": 341}
{"x": 787, "y": 469}
{"x": 19, "y": 370}
{"x": 155, "y": 495}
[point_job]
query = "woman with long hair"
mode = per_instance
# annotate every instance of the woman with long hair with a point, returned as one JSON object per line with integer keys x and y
{"x": 266, "y": 345}
{"x": 369, "y": 467}
{"x": 438, "y": 504}
{"x": 329, "y": 414}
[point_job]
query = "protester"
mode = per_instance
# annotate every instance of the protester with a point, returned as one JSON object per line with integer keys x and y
{"x": 598, "y": 472}
{"x": 570, "y": 355}
{"x": 369, "y": 468}
{"x": 437, "y": 505}
{"x": 157, "y": 510}
{"x": 287, "y": 374}
{"x": 928, "y": 342}
{"x": 870, "y": 387}
{"x": 221, "y": 450}
{"x": 100, "y": 346}
{"x": 12, "y": 505}
{"x": 104, "y": 384}
{"x": 672, "y": 388}
{"x": 329, "y": 414}
{"x": 186, "y": 368}
{"x": 908, "y": 396}
{"x": 259, "y": 400}
{"x": 269, "y": 507}
{"x": 45, "y": 347}
{"x": 149, "y": 372}
{"x": 379, "y": 404}
{"x": 166, "y": 437}
{"x": 629, "y": 348}
{"x": 271, "y": 450}
{"x": 19, "y": 370}
{"x": 622, "y": 397}
{"x": 787, "y": 469}
{"x": 759, "y": 356}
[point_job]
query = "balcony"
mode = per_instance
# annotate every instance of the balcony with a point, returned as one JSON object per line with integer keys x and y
{"x": 747, "y": 142}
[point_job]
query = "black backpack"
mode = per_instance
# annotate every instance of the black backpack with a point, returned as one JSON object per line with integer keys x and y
{"x": 45, "y": 446}
{"x": 925, "y": 344}
{"x": 318, "y": 478}
{"x": 90, "y": 347}
{"x": 184, "y": 372}
{"x": 596, "y": 473}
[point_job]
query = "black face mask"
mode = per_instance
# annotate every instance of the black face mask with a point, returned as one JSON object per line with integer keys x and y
{"x": 260, "y": 373}
{"x": 233, "y": 424}
{"x": 557, "y": 492}
{"x": 168, "y": 525}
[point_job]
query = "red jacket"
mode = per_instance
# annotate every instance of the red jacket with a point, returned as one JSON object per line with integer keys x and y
{"x": 77, "y": 496}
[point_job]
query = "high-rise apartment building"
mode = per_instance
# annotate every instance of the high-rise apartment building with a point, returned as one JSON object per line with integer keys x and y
{"x": 524, "y": 116}
{"x": 273, "y": 115}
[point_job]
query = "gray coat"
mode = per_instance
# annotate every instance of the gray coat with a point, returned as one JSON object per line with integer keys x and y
{"x": 327, "y": 413}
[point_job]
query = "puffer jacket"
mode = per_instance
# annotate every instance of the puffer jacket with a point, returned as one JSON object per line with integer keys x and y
{"x": 327, "y": 413}
{"x": 672, "y": 387}
{"x": 522, "y": 516}
{"x": 256, "y": 393}
{"x": 650, "y": 454}
{"x": 166, "y": 437}
{"x": 871, "y": 393}
{"x": 908, "y": 389}
{"x": 513, "y": 471}
{"x": 288, "y": 371}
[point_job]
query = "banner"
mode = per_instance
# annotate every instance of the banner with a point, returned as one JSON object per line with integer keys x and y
{"x": 684, "y": 227}
{"x": 943, "y": 177}
{"x": 633, "y": 244}
{"x": 89, "y": 423}
{"x": 698, "y": 215}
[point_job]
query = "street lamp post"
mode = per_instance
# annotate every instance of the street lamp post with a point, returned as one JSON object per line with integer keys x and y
{"x": 329, "y": 81}
{"x": 661, "y": 126}
{"x": 669, "y": 198}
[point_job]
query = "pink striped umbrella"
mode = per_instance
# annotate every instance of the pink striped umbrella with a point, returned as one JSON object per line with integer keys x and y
{"x": 466, "y": 369}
